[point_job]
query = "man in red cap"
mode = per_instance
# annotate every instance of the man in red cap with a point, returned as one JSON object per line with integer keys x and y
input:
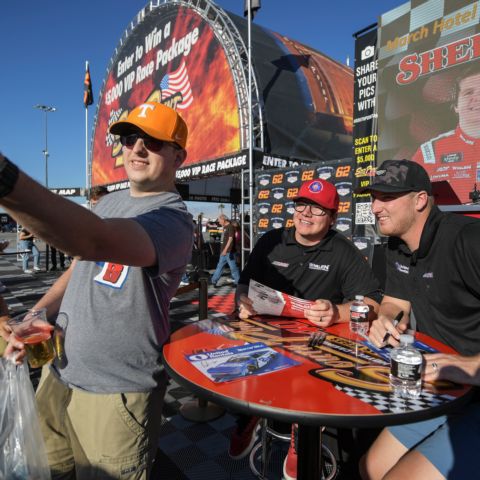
{"x": 100, "y": 402}
{"x": 311, "y": 261}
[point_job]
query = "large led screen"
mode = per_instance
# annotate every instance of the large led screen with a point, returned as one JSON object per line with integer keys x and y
{"x": 429, "y": 89}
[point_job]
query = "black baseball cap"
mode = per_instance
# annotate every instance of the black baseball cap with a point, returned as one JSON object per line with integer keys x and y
{"x": 397, "y": 176}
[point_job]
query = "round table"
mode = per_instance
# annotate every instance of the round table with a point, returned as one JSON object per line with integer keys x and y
{"x": 341, "y": 383}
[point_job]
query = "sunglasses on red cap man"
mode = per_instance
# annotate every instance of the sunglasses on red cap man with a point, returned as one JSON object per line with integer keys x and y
{"x": 318, "y": 192}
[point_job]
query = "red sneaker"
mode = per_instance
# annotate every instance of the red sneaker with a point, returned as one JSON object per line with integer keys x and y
{"x": 244, "y": 436}
{"x": 291, "y": 460}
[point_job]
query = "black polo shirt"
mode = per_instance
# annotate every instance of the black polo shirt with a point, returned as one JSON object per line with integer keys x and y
{"x": 441, "y": 279}
{"x": 334, "y": 269}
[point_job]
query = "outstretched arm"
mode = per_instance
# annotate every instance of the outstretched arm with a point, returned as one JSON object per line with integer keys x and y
{"x": 76, "y": 230}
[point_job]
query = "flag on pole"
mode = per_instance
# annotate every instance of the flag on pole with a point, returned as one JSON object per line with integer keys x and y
{"x": 254, "y": 7}
{"x": 87, "y": 89}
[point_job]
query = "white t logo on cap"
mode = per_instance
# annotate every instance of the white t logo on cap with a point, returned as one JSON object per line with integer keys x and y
{"x": 144, "y": 109}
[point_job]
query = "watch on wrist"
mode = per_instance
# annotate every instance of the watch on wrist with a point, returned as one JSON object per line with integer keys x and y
{"x": 8, "y": 176}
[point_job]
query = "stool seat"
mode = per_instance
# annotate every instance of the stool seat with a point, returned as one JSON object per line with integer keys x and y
{"x": 261, "y": 453}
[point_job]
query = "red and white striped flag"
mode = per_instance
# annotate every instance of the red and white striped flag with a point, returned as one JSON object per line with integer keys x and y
{"x": 177, "y": 82}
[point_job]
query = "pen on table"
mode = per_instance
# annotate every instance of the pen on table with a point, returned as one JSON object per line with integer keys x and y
{"x": 397, "y": 319}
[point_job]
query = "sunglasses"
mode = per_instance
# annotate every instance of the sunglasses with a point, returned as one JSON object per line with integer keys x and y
{"x": 152, "y": 144}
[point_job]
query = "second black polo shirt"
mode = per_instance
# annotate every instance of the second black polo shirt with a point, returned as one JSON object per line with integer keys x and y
{"x": 441, "y": 279}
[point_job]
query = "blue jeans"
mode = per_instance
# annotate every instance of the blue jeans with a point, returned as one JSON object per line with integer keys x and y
{"x": 222, "y": 261}
{"x": 28, "y": 245}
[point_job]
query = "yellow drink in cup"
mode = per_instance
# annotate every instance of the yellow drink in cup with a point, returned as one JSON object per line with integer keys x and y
{"x": 34, "y": 331}
{"x": 39, "y": 348}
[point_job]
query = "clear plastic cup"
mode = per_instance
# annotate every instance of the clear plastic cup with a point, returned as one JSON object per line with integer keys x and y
{"x": 34, "y": 331}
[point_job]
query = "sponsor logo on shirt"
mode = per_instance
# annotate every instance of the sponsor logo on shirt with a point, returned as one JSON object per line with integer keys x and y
{"x": 453, "y": 157}
{"x": 112, "y": 275}
{"x": 280, "y": 264}
{"x": 428, "y": 275}
{"x": 462, "y": 175}
{"x": 314, "y": 266}
{"x": 360, "y": 244}
{"x": 402, "y": 268}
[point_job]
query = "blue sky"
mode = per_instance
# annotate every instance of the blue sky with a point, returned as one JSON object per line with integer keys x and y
{"x": 45, "y": 45}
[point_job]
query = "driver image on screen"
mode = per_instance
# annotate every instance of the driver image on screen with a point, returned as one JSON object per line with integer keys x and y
{"x": 459, "y": 147}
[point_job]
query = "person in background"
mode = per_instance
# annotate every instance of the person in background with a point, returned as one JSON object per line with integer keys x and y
{"x": 186, "y": 279}
{"x": 313, "y": 262}
{"x": 100, "y": 407}
{"x": 27, "y": 245}
{"x": 53, "y": 258}
{"x": 433, "y": 271}
{"x": 227, "y": 252}
{"x": 237, "y": 241}
{"x": 96, "y": 193}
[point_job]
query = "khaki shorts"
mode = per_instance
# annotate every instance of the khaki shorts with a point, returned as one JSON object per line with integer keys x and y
{"x": 92, "y": 436}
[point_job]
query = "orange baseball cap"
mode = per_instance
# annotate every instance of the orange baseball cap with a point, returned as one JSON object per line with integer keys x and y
{"x": 155, "y": 119}
{"x": 321, "y": 192}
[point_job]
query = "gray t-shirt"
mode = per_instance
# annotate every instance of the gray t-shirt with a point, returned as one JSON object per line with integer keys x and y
{"x": 116, "y": 316}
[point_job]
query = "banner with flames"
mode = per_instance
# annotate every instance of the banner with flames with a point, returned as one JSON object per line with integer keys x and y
{"x": 172, "y": 57}
{"x": 185, "y": 57}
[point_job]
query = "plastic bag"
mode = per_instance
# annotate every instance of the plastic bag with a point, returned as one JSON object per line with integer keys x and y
{"x": 22, "y": 455}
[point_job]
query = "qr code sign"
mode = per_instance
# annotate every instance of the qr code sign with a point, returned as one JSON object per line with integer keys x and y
{"x": 363, "y": 214}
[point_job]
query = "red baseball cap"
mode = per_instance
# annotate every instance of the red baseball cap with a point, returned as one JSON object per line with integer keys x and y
{"x": 321, "y": 192}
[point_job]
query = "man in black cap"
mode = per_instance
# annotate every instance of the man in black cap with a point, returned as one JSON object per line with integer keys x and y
{"x": 433, "y": 269}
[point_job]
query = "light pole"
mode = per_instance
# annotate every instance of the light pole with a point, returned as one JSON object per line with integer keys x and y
{"x": 47, "y": 109}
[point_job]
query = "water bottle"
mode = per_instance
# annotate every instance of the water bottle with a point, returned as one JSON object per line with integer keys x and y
{"x": 406, "y": 369}
{"x": 359, "y": 315}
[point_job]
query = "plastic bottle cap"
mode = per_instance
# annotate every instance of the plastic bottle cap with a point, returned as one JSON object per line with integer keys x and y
{"x": 359, "y": 297}
{"x": 406, "y": 338}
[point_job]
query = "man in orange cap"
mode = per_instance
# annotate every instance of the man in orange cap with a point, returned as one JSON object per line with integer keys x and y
{"x": 100, "y": 406}
{"x": 311, "y": 261}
